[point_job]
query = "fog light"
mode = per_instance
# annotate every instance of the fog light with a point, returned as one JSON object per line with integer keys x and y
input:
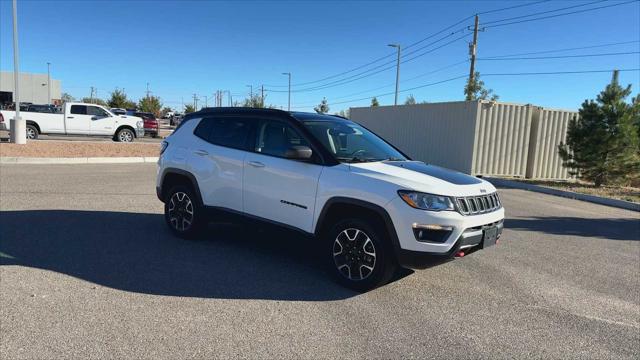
{"x": 431, "y": 232}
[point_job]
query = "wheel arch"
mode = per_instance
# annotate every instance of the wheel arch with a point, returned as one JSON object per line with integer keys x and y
{"x": 338, "y": 207}
{"x": 35, "y": 124}
{"x": 173, "y": 176}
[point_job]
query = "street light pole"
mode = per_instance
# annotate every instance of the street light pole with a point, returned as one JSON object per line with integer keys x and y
{"x": 250, "y": 91}
{"x": 49, "y": 82}
{"x": 289, "y": 102}
{"x": 397, "y": 46}
{"x": 18, "y": 126}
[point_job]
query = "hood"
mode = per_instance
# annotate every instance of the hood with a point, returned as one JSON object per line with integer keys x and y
{"x": 418, "y": 176}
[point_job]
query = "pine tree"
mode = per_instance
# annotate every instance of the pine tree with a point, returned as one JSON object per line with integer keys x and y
{"x": 323, "y": 107}
{"x": 374, "y": 102}
{"x": 188, "y": 108}
{"x": 475, "y": 90}
{"x": 410, "y": 100}
{"x": 119, "y": 100}
{"x": 603, "y": 142}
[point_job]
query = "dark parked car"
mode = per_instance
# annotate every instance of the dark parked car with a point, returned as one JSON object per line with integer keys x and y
{"x": 52, "y": 109}
{"x": 150, "y": 123}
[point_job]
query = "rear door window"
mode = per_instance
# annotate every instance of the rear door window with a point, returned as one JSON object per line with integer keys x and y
{"x": 232, "y": 132}
{"x": 79, "y": 109}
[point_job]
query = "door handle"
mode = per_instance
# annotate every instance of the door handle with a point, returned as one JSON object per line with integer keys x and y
{"x": 201, "y": 152}
{"x": 69, "y": 117}
{"x": 256, "y": 164}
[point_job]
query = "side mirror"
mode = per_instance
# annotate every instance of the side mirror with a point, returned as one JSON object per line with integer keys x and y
{"x": 298, "y": 153}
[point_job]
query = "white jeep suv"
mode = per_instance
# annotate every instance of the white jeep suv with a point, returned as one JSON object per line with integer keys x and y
{"x": 329, "y": 178}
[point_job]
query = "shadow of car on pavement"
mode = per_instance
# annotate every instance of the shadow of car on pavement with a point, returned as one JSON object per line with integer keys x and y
{"x": 612, "y": 229}
{"x": 136, "y": 252}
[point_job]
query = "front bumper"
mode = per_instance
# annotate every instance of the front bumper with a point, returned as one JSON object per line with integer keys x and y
{"x": 139, "y": 132}
{"x": 466, "y": 232}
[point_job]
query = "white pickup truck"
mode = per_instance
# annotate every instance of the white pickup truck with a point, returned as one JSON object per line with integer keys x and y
{"x": 80, "y": 119}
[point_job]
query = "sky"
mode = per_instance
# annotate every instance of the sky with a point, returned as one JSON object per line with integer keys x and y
{"x": 182, "y": 48}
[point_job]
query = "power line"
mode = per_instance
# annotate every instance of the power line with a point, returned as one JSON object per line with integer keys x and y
{"x": 389, "y": 85}
{"x": 560, "y": 56}
{"x": 563, "y": 14}
{"x": 393, "y": 92}
{"x": 411, "y": 45}
{"x": 559, "y": 72}
{"x": 365, "y": 75}
{"x": 565, "y": 49}
{"x": 543, "y": 12}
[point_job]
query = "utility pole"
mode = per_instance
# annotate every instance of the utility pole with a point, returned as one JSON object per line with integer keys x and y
{"x": 472, "y": 51}
{"x": 195, "y": 102}
{"x": 18, "y": 133}
{"x": 289, "y": 102}
{"x": 206, "y": 102}
{"x": 49, "y": 82}
{"x": 397, "y": 46}
{"x": 148, "y": 90}
{"x": 262, "y": 94}
{"x": 250, "y": 91}
{"x": 91, "y": 96}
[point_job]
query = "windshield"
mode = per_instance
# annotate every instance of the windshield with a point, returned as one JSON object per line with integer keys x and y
{"x": 350, "y": 142}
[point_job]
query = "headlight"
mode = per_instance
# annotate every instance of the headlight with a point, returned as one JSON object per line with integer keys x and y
{"x": 424, "y": 201}
{"x": 140, "y": 124}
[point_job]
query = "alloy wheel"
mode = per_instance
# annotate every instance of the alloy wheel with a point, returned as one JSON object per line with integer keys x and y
{"x": 354, "y": 254}
{"x": 31, "y": 133}
{"x": 180, "y": 211}
{"x": 126, "y": 136}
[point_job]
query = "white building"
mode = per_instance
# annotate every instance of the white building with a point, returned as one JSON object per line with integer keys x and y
{"x": 33, "y": 88}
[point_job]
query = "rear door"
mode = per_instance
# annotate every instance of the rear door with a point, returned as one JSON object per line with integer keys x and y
{"x": 277, "y": 188}
{"x": 217, "y": 158}
{"x": 77, "y": 120}
{"x": 102, "y": 123}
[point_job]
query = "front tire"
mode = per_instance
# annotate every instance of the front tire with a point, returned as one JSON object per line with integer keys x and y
{"x": 32, "y": 132}
{"x": 183, "y": 213}
{"x": 360, "y": 255}
{"x": 125, "y": 135}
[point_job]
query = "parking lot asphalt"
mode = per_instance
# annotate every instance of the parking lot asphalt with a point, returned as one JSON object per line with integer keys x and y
{"x": 88, "y": 270}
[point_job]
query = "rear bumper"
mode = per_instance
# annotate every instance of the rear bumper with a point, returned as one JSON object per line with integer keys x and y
{"x": 150, "y": 131}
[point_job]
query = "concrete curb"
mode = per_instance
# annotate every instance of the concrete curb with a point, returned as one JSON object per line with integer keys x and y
{"x": 84, "y": 160}
{"x": 621, "y": 204}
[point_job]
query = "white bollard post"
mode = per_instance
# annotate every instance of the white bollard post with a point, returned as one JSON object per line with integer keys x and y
{"x": 18, "y": 130}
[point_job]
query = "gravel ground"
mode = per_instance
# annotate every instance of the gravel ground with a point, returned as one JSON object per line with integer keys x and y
{"x": 88, "y": 270}
{"x": 41, "y": 148}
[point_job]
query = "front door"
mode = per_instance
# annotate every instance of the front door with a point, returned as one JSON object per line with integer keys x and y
{"x": 102, "y": 123}
{"x": 277, "y": 188}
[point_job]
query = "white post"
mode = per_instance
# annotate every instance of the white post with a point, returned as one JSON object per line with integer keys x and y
{"x": 18, "y": 126}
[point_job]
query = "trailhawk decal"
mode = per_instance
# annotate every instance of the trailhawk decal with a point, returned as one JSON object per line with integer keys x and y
{"x": 447, "y": 175}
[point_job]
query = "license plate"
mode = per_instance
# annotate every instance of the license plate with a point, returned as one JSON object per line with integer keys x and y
{"x": 490, "y": 235}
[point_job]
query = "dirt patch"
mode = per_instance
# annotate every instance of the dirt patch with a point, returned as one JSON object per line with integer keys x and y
{"x": 68, "y": 149}
{"x": 628, "y": 193}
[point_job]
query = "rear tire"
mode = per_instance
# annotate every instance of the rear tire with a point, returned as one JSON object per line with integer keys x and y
{"x": 183, "y": 213}
{"x": 32, "y": 132}
{"x": 359, "y": 255}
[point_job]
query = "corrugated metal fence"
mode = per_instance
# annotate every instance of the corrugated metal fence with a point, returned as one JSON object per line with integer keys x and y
{"x": 476, "y": 137}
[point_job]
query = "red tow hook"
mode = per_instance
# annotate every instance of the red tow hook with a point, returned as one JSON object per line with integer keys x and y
{"x": 459, "y": 254}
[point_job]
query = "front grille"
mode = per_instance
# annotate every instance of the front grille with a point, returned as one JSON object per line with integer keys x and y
{"x": 482, "y": 204}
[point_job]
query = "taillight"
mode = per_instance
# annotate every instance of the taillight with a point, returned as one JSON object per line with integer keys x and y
{"x": 1, "y": 118}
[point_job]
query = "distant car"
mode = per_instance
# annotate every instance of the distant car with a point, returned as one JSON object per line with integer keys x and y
{"x": 3, "y": 127}
{"x": 119, "y": 111}
{"x": 175, "y": 119}
{"x": 150, "y": 123}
